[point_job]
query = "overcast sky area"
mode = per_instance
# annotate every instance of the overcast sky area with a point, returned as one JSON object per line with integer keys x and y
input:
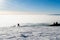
{"x": 29, "y": 11}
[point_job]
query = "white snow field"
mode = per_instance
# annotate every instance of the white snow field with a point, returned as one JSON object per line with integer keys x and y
{"x": 30, "y": 33}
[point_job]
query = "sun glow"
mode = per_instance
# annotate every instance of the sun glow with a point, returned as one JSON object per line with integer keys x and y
{"x": 2, "y": 2}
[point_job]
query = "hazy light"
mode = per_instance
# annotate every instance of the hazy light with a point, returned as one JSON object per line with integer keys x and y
{"x": 9, "y": 20}
{"x": 2, "y": 3}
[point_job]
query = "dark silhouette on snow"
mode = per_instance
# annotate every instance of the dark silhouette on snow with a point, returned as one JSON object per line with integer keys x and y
{"x": 55, "y": 24}
{"x": 18, "y": 25}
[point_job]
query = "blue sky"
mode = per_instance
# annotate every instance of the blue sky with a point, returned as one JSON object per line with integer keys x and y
{"x": 42, "y": 6}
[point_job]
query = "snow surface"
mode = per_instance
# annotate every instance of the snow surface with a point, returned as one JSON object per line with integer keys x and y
{"x": 30, "y": 33}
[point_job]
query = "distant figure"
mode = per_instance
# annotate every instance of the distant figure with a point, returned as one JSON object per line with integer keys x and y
{"x": 56, "y": 22}
{"x": 18, "y": 25}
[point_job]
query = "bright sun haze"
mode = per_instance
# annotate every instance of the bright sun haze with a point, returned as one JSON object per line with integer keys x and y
{"x": 9, "y": 20}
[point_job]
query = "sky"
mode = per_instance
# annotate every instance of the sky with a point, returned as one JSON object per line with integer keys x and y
{"x": 30, "y": 6}
{"x": 29, "y": 11}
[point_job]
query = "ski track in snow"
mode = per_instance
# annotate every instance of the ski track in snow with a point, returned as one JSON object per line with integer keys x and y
{"x": 30, "y": 33}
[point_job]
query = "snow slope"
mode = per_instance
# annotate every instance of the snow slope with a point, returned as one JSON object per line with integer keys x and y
{"x": 30, "y": 33}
